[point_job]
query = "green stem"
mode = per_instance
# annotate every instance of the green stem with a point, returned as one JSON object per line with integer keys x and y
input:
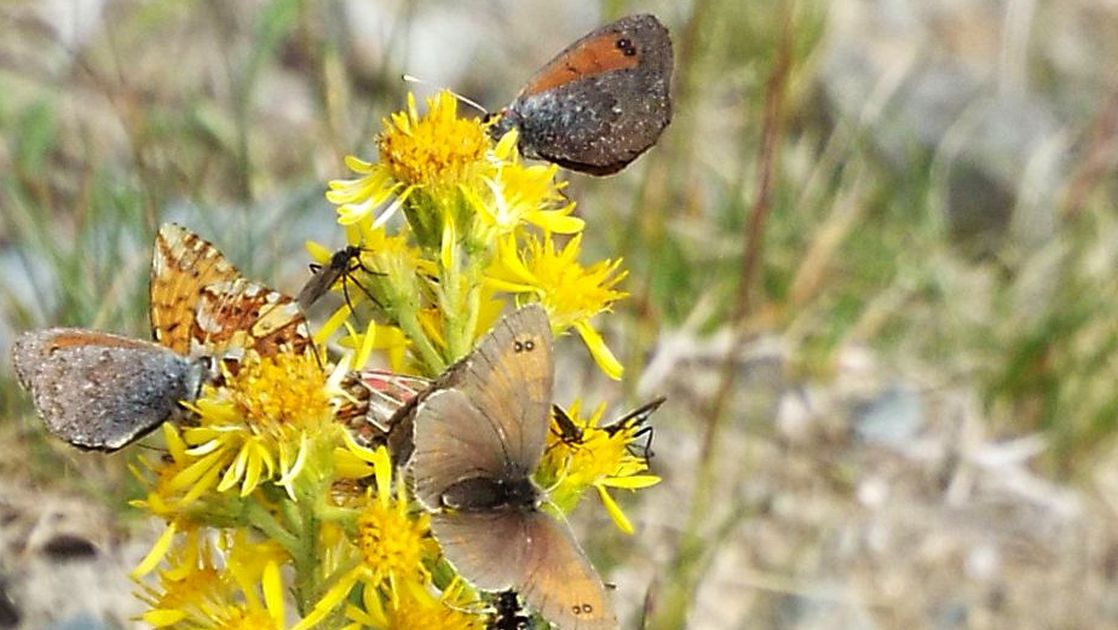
{"x": 430, "y": 357}
{"x": 263, "y": 520}
{"x": 306, "y": 562}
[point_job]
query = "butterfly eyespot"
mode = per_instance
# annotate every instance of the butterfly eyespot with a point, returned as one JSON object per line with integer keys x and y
{"x": 582, "y": 609}
{"x": 625, "y": 45}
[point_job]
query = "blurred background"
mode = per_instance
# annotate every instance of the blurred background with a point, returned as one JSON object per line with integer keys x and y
{"x": 873, "y": 266}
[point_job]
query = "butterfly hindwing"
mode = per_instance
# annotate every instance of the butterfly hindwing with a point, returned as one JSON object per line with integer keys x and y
{"x": 102, "y": 391}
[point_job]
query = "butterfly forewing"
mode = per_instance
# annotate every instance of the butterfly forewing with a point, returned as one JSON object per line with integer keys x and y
{"x": 182, "y": 265}
{"x": 453, "y": 441}
{"x": 509, "y": 379}
{"x": 102, "y": 391}
{"x": 592, "y": 54}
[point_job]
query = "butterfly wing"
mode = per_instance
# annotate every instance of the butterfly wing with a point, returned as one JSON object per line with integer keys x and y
{"x": 101, "y": 391}
{"x": 533, "y": 554}
{"x": 601, "y": 102}
{"x": 508, "y": 378}
{"x": 454, "y": 441}
{"x": 241, "y": 314}
{"x": 202, "y": 306}
{"x": 182, "y": 264}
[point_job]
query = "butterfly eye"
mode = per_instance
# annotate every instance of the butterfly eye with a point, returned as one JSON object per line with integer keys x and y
{"x": 625, "y": 45}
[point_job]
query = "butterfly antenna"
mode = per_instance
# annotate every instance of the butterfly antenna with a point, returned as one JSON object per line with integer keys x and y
{"x": 472, "y": 103}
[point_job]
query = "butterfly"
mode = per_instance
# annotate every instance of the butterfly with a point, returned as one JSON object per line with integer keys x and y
{"x": 103, "y": 391}
{"x": 477, "y": 441}
{"x": 201, "y": 305}
{"x": 375, "y": 400}
{"x": 600, "y": 103}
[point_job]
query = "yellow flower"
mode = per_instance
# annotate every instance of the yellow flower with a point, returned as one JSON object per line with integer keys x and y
{"x": 571, "y": 293}
{"x": 437, "y": 150}
{"x": 194, "y": 591}
{"x": 595, "y": 456}
{"x": 392, "y": 541}
{"x": 165, "y": 498}
{"x": 418, "y": 607}
{"x": 259, "y": 426}
{"x": 515, "y": 195}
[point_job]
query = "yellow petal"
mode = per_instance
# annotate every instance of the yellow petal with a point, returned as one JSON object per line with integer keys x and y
{"x": 273, "y": 593}
{"x": 614, "y": 511}
{"x": 158, "y": 551}
{"x": 598, "y": 349}
{"x": 632, "y": 482}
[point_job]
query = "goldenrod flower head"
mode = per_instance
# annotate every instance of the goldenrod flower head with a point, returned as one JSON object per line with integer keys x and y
{"x": 436, "y": 151}
{"x": 595, "y": 457}
{"x": 515, "y": 195}
{"x": 194, "y": 591}
{"x": 571, "y": 293}
{"x": 418, "y": 607}
{"x": 259, "y": 425}
{"x": 392, "y": 540}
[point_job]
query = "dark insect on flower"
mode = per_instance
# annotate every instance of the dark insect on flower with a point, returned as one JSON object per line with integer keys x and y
{"x": 343, "y": 263}
{"x": 508, "y": 614}
{"x": 570, "y": 434}
{"x": 637, "y": 418}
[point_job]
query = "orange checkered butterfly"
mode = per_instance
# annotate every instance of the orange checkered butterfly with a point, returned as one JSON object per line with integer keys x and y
{"x": 202, "y": 306}
{"x": 102, "y": 391}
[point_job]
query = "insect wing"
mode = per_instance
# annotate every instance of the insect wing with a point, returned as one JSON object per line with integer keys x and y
{"x": 182, "y": 264}
{"x": 532, "y": 553}
{"x": 100, "y": 391}
{"x": 601, "y": 102}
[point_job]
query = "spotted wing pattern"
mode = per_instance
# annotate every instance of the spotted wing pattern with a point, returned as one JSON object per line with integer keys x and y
{"x": 182, "y": 265}
{"x": 202, "y": 306}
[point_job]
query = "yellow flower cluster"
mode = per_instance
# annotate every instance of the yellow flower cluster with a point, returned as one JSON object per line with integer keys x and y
{"x": 480, "y": 230}
{"x": 266, "y": 485}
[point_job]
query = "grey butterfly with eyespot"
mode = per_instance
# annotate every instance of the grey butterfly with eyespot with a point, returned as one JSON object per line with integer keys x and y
{"x": 601, "y": 102}
{"x": 477, "y": 444}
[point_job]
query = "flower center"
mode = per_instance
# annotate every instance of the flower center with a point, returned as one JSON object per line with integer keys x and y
{"x": 389, "y": 542}
{"x": 439, "y": 148}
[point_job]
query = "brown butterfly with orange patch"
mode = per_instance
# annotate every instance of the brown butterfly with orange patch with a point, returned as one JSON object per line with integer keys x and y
{"x": 600, "y": 103}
